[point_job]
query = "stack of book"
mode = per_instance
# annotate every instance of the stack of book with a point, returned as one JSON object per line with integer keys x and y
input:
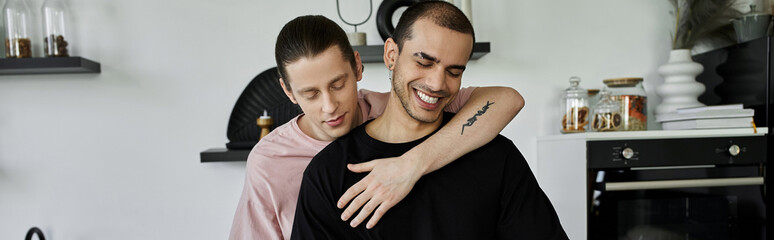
{"x": 718, "y": 116}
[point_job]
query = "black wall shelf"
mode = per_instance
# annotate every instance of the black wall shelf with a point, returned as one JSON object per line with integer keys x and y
{"x": 18, "y": 66}
{"x": 224, "y": 155}
{"x": 375, "y": 53}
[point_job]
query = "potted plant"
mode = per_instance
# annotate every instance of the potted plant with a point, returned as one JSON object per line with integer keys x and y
{"x": 696, "y": 22}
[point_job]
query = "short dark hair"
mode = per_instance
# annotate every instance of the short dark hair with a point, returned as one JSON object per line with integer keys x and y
{"x": 308, "y": 36}
{"x": 439, "y": 12}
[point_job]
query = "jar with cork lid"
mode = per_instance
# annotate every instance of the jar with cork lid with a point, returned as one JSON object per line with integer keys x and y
{"x": 574, "y": 107}
{"x": 631, "y": 95}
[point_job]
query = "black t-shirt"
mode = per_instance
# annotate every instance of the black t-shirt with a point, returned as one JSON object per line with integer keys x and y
{"x": 490, "y": 193}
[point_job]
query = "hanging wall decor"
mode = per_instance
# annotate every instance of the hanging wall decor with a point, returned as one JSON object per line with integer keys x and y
{"x": 384, "y": 16}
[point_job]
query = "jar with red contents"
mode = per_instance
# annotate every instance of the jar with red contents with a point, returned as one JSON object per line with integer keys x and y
{"x": 633, "y": 99}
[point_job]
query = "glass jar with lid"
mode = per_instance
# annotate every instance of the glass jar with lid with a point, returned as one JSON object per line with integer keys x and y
{"x": 16, "y": 17}
{"x": 606, "y": 114}
{"x": 575, "y": 107}
{"x": 593, "y": 97}
{"x": 630, "y": 93}
{"x": 55, "y": 23}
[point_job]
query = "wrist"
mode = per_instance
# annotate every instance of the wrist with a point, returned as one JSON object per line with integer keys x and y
{"x": 420, "y": 162}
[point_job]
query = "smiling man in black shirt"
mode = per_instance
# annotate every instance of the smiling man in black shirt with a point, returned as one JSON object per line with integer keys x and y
{"x": 489, "y": 193}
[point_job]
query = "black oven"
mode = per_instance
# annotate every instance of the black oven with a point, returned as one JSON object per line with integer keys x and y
{"x": 680, "y": 188}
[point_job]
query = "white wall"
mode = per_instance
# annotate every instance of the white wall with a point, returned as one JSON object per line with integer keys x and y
{"x": 116, "y": 155}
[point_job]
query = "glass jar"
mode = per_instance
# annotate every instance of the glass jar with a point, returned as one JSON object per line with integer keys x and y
{"x": 16, "y": 17}
{"x": 606, "y": 115}
{"x": 633, "y": 99}
{"x": 575, "y": 107}
{"x": 593, "y": 97}
{"x": 55, "y": 25}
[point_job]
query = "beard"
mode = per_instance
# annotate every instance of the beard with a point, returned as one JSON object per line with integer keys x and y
{"x": 405, "y": 96}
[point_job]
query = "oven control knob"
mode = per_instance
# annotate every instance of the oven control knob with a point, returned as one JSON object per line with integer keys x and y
{"x": 627, "y": 153}
{"x": 734, "y": 150}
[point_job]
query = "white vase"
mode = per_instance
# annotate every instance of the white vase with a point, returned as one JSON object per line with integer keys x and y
{"x": 680, "y": 88}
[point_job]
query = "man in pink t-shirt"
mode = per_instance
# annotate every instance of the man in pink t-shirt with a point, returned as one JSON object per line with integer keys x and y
{"x": 319, "y": 72}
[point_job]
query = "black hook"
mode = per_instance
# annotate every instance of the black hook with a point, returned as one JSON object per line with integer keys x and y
{"x": 34, "y": 231}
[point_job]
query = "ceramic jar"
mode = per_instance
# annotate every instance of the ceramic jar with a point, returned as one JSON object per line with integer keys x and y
{"x": 680, "y": 88}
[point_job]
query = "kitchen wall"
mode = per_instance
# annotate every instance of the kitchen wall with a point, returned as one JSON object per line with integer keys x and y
{"x": 115, "y": 155}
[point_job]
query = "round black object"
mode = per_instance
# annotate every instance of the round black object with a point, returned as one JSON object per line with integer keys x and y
{"x": 35, "y": 231}
{"x": 384, "y": 15}
{"x": 262, "y": 93}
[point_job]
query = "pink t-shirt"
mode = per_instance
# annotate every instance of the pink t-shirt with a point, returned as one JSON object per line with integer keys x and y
{"x": 276, "y": 165}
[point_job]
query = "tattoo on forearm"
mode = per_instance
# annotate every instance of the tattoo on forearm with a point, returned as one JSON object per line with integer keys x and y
{"x": 474, "y": 118}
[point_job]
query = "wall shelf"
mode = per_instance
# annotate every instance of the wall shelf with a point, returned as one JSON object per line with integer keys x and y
{"x": 375, "y": 53}
{"x": 19, "y": 66}
{"x": 224, "y": 155}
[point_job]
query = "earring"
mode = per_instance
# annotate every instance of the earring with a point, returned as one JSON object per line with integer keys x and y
{"x": 390, "y": 71}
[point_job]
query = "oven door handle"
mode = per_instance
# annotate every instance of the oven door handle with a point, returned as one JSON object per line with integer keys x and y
{"x": 684, "y": 183}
